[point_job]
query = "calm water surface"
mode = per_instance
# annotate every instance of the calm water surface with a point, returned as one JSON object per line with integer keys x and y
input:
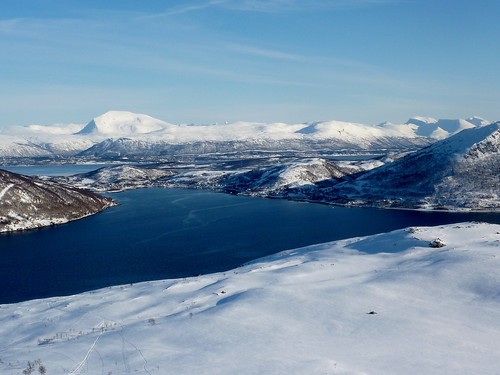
{"x": 53, "y": 170}
{"x": 168, "y": 233}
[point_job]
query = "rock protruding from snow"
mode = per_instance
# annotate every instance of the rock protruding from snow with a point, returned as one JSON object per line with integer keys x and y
{"x": 437, "y": 243}
{"x": 29, "y": 202}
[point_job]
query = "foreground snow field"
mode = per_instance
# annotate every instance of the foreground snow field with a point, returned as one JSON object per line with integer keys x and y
{"x": 325, "y": 309}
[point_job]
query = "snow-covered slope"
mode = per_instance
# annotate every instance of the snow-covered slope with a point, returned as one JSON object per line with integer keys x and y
{"x": 326, "y": 309}
{"x": 28, "y": 202}
{"x": 462, "y": 171}
{"x": 353, "y": 131}
{"x": 34, "y": 141}
{"x": 14, "y": 146}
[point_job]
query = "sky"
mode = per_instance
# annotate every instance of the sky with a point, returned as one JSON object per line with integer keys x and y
{"x": 208, "y": 61}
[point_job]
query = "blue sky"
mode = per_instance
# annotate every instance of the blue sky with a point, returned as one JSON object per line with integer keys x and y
{"x": 206, "y": 61}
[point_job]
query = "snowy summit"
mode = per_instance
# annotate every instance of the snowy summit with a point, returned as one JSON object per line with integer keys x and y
{"x": 121, "y": 123}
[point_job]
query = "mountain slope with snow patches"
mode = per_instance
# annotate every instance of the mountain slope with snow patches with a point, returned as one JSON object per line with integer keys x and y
{"x": 28, "y": 202}
{"x": 405, "y": 308}
{"x": 462, "y": 171}
{"x": 276, "y": 180}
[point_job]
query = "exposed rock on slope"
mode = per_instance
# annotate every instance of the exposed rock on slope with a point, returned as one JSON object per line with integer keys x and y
{"x": 28, "y": 202}
{"x": 462, "y": 171}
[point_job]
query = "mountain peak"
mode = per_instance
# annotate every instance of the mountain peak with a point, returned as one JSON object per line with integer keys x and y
{"x": 122, "y": 123}
{"x": 420, "y": 120}
{"x": 478, "y": 121}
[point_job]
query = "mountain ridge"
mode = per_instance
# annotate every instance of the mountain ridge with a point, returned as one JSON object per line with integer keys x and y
{"x": 145, "y": 134}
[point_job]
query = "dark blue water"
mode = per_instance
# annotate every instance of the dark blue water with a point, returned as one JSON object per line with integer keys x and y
{"x": 53, "y": 170}
{"x": 163, "y": 233}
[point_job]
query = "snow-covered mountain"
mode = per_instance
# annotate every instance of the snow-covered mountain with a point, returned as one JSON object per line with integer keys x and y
{"x": 122, "y": 123}
{"x": 440, "y": 129}
{"x": 462, "y": 171}
{"x": 245, "y": 136}
{"x": 28, "y": 202}
{"x": 325, "y": 309}
{"x": 275, "y": 180}
{"x": 120, "y": 134}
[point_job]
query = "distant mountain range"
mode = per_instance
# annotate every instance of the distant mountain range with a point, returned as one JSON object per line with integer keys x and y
{"x": 122, "y": 135}
{"x": 461, "y": 172}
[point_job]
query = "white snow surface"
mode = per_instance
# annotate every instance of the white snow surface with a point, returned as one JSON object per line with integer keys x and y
{"x": 120, "y": 123}
{"x": 323, "y": 309}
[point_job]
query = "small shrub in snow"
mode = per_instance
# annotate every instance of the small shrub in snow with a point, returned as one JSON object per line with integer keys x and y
{"x": 33, "y": 366}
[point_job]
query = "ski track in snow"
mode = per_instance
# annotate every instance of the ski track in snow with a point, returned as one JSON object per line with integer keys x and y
{"x": 5, "y": 190}
{"x": 80, "y": 366}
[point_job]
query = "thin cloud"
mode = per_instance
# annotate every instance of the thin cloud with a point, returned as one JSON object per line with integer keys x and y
{"x": 267, "y": 6}
{"x": 273, "y": 6}
{"x": 188, "y": 8}
{"x": 267, "y": 53}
